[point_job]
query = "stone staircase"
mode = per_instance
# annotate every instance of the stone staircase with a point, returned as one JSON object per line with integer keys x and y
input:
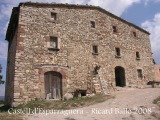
{"x": 103, "y": 83}
{"x": 99, "y": 83}
{"x": 96, "y": 83}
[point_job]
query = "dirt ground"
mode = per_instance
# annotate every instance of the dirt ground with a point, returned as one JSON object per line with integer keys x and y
{"x": 128, "y": 104}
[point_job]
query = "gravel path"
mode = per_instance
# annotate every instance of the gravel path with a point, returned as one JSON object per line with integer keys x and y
{"x": 129, "y": 104}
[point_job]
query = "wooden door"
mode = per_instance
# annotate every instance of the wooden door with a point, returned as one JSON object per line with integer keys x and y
{"x": 53, "y": 85}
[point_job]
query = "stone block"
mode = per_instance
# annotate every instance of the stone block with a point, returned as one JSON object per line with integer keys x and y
{"x": 68, "y": 96}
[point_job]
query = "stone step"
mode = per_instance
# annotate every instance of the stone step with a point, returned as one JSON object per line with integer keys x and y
{"x": 96, "y": 84}
{"x": 104, "y": 86}
{"x": 97, "y": 88}
{"x": 98, "y": 91}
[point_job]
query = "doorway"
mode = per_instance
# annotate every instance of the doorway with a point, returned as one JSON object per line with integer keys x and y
{"x": 120, "y": 76}
{"x": 53, "y": 85}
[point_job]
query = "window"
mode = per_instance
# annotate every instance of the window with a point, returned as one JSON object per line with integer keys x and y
{"x": 139, "y": 72}
{"x": 54, "y": 42}
{"x": 53, "y": 16}
{"x": 137, "y": 56}
{"x": 134, "y": 34}
{"x": 117, "y": 50}
{"x": 93, "y": 25}
{"x": 95, "y": 49}
{"x": 114, "y": 29}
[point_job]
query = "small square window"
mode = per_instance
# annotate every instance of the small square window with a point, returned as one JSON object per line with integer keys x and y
{"x": 95, "y": 49}
{"x": 139, "y": 72}
{"x": 114, "y": 29}
{"x": 118, "y": 53}
{"x": 54, "y": 42}
{"x": 137, "y": 56}
{"x": 134, "y": 34}
{"x": 93, "y": 25}
{"x": 53, "y": 16}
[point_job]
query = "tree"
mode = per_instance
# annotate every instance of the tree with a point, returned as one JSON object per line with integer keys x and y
{"x": 1, "y": 81}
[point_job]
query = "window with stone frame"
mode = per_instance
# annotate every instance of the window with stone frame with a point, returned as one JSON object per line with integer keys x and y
{"x": 93, "y": 24}
{"x": 95, "y": 49}
{"x": 117, "y": 52}
{"x": 137, "y": 56}
{"x": 54, "y": 42}
{"x": 114, "y": 29}
{"x": 134, "y": 34}
{"x": 53, "y": 16}
{"x": 139, "y": 72}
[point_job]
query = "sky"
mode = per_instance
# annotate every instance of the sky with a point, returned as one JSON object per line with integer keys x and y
{"x": 143, "y": 13}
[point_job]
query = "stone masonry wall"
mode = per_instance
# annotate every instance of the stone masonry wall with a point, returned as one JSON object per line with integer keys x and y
{"x": 75, "y": 58}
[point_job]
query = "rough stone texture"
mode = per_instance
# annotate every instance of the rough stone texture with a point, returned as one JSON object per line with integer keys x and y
{"x": 157, "y": 73}
{"x": 74, "y": 60}
{"x": 68, "y": 96}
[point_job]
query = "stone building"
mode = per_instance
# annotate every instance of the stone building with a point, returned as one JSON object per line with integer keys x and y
{"x": 56, "y": 49}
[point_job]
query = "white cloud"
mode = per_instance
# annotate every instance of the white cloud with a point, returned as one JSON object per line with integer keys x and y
{"x": 115, "y": 6}
{"x": 153, "y": 26}
{"x": 3, "y": 51}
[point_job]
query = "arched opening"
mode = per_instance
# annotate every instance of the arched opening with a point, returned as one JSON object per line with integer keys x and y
{"x": 53, "y": 85}
{"x": 120, "y": 76}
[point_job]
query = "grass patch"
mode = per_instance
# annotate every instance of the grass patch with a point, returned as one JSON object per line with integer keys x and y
{"x": 4, "y": 115}
{"x": 3, "y": 107}
{"x": 51, "y": 104}
{"x": 66, "y": 104}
